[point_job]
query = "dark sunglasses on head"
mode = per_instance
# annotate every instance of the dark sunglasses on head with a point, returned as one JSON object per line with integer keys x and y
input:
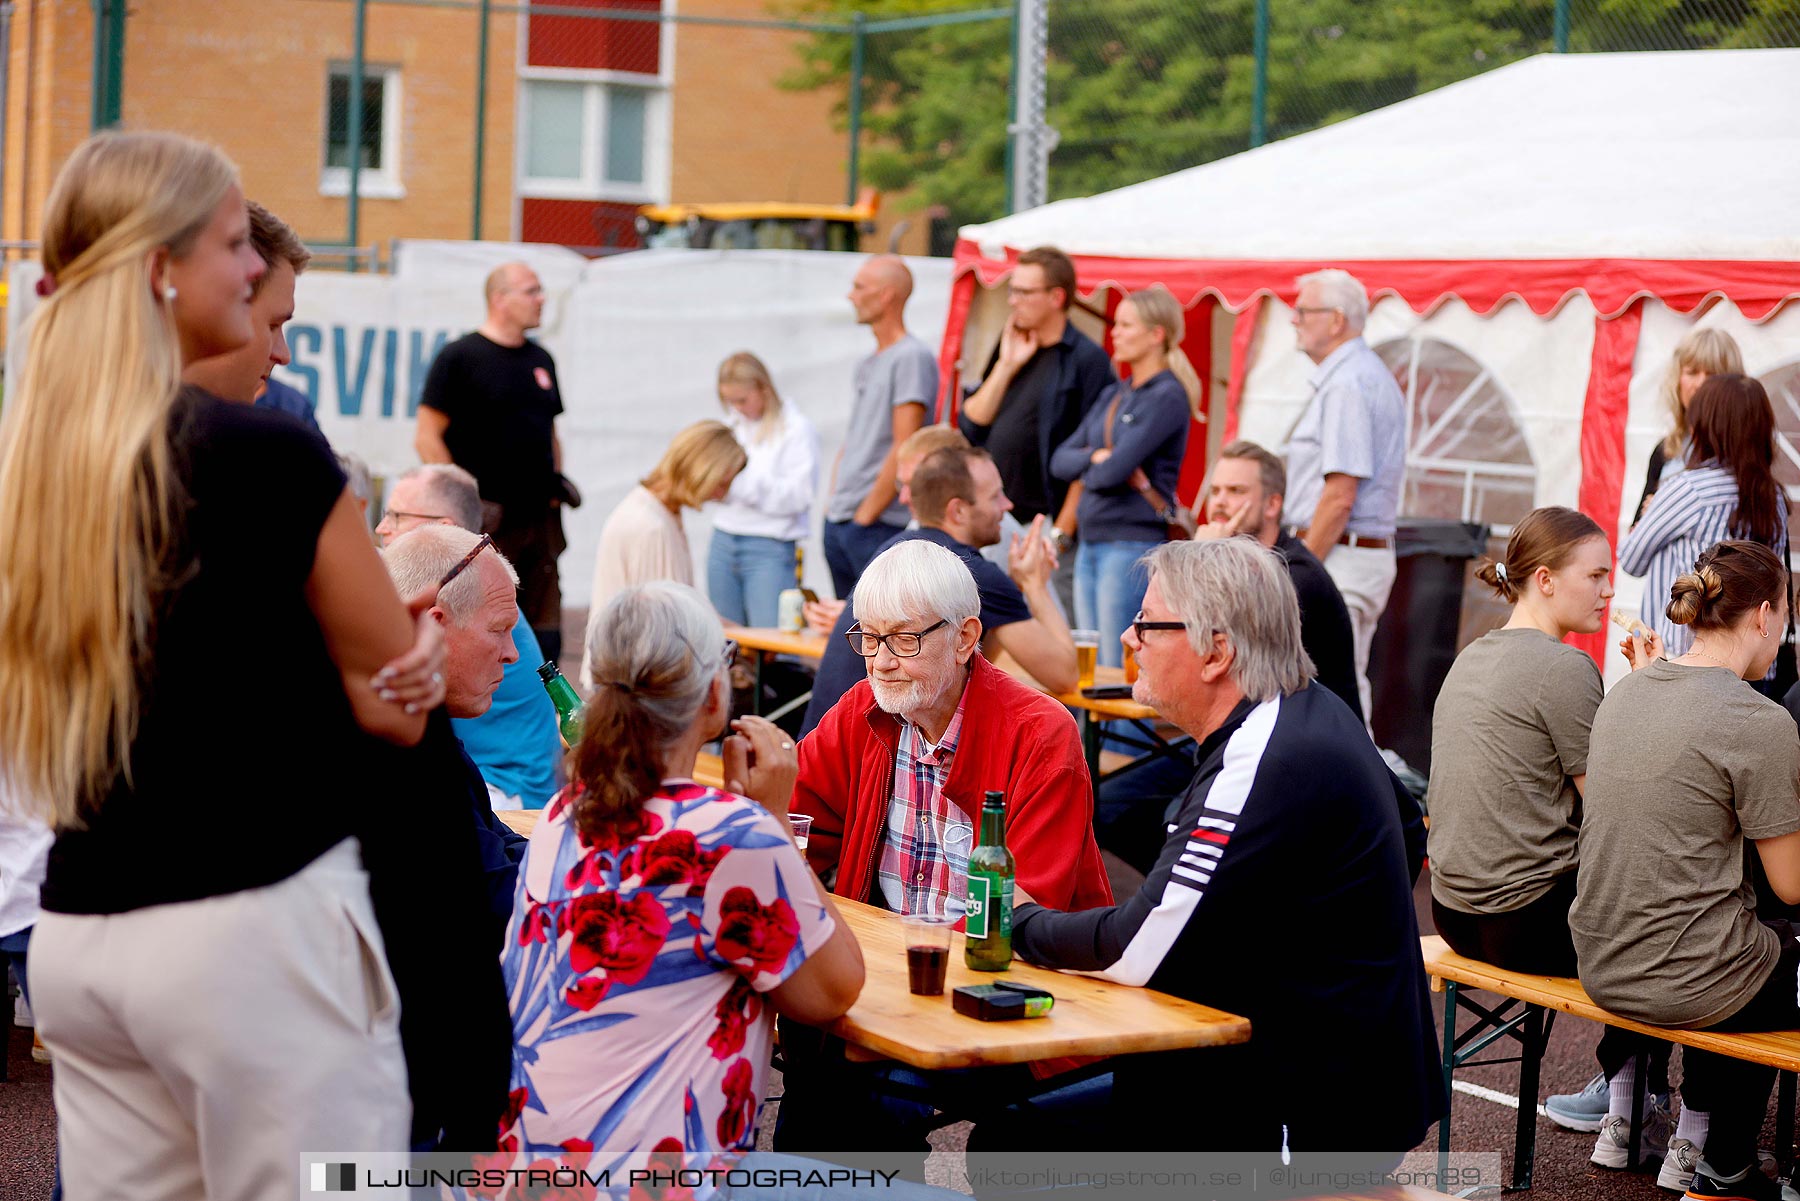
{"x": 486, "y": 541}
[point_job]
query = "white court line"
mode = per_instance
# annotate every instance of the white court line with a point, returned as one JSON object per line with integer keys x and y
{"x": 1491, "y": 1094}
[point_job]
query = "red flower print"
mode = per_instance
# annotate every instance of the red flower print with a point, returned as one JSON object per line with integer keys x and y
{"x": 496, "y": 1161}
{"x": 740, "y": 1104}
{"x": 763, "y": 934}
{"x": 560, "y": 801}
{"x": 537, "y": 924}
{"x": 585, "y": 993}
{"x": 621, "y": 936}
{"x": 616, "y": 835}
{"x": 577, "y": 1152}
{"x": 735, "y": 1011}
{"x": 515, "y": 1106}
{"x": 676, "y": 858}
{"x": 667, "y": 1158}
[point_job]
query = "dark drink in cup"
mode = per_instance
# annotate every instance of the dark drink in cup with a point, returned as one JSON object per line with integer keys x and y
{"x": 925, "y": 968}
{"x": 927, "y": 952}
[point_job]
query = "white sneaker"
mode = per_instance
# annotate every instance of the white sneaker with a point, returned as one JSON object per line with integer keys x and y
{"x": 1612, "y": 1147}
{"x": 22, "y": 1012}
{"x": 1678, "y": 1166}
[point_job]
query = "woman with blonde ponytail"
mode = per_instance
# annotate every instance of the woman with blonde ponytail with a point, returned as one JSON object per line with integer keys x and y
{"x": 1127, "y": 454}
{"x": 195, "y": 635}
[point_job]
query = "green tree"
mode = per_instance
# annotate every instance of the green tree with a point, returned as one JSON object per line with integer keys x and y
{"x": 1140, "y": 88}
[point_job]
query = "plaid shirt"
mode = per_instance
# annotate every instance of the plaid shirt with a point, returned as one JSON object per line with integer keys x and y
{"x": 925, "y": 853}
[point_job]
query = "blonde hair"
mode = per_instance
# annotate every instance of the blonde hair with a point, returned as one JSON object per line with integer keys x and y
{"x": 744, "y": 368}
{"x": 701, "y": 457}
{"x": 1157, "y": 307}
{"x": 89, "y": 497}
{"x": 1711, "y": 350}
{"x": 927, "y": 440}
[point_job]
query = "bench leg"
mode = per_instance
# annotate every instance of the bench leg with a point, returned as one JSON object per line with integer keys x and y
{"x": 1636, "y": 1133}
{"x": 1531, "y": 1054}
{"x": 1449, "y": 1076}
{"x": 1784, "y": 1124}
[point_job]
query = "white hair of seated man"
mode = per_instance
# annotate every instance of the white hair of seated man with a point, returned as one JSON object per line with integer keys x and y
{"x": 1340, "y": 290}
{"x": 916, "y": 580}
{"x": 420, "y": 558}
{"x": 1239, "y": 588}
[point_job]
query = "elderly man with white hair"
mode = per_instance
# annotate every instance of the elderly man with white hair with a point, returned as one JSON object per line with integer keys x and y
{"x": 477, "y": 604}
{"x": 893, "y": 776}
{"x": 1347, "y": 454}
{"x": 515, "y": 742}
{"x": 1283, "y": 891}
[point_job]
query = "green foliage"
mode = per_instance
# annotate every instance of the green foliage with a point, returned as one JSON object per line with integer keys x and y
{"x": 1140, "y": 88}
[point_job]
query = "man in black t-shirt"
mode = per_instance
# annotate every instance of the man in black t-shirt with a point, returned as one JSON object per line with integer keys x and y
{"x": 1244, "y": 492}
{"x": 1044, "y": 377}
{"x": 956, "y": 495}
{"x": 490, "y": 405}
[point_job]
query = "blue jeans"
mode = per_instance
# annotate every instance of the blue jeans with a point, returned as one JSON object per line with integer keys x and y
{"x": 745, "y": 576}
{"x": 848, "y": 549}
{"x": 1109, "y": 591}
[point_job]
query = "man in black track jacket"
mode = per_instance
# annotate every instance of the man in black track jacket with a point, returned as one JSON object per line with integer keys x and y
{"x": 1283, "y": 892}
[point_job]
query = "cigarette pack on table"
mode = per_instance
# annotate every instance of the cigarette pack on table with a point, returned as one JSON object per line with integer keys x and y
{"x": 1002, "y": 1002}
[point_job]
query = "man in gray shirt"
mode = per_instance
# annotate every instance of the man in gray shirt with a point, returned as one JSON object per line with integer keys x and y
{"x": 895, "y": 388}
{"x": 1347, "y": 455}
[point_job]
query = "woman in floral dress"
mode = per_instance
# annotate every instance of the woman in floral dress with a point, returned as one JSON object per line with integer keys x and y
{"x": 660, "y": 925}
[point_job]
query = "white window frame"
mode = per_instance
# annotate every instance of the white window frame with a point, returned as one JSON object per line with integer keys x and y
{"x": 656, "y": 185}
{"x": 382, "y": 184}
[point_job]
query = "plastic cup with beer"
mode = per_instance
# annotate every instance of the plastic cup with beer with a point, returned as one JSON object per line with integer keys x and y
{"x": 927, "y": 952}
{"x": 1087, "y": 651}
{"x": 802, "y": 828}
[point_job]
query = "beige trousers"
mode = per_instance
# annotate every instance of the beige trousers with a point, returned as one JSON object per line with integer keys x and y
{"x": 200, "y": 1048}
{"x": 1365, "y": 576}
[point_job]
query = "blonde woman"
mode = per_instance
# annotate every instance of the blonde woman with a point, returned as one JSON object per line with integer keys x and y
{"x": 1701, "y": 354}
{"x": 643, "y": 539}
{"x": 758, "y": 528}
{"x": 196, "y": 635}
{"x": 1127, "y": 454}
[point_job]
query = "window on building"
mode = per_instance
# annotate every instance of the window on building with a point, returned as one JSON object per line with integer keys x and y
{"x": 589, "y": 139}
{"x": 378, "y": 146}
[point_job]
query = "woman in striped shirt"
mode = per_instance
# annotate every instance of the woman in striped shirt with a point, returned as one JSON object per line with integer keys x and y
{"x": 1727, "y": 490}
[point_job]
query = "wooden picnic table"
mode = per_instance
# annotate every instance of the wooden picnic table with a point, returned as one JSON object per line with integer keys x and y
{"x": 1091, "y": 1016}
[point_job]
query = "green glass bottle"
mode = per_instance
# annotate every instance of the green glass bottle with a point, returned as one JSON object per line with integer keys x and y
{"x": 987, "y": 944}
{"x": 567, "y": 702}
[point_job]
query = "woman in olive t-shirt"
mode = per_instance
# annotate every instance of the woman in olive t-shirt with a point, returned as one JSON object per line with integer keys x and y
{"x": 1686, "y": 761}
{"x": 1509, "y": 756}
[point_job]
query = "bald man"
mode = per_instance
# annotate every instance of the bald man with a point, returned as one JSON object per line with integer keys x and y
{"x": 895, "y": 388}
{"x": 490, "y": 405}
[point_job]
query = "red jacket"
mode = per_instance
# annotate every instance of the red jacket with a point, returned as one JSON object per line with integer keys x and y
{"x": 1014, "y": 739}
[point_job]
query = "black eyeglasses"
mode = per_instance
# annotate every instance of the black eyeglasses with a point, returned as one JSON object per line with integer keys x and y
{"x": 904, "y": 644}
{"x": 730, "y": 657}
{"x": 486, "y": 541}
{"x": 1139, "y": 625}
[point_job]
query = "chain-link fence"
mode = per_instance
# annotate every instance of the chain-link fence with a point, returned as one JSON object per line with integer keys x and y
{"x": 366, "y": 120}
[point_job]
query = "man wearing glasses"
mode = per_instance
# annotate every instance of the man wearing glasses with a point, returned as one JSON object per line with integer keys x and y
{"x": 1347, "y": 455}
{"x": 893, "y": 779}
{"x": 1044, "y": 377}
{"x": 490, "y": 405}
{"x": 1283, "y": 891}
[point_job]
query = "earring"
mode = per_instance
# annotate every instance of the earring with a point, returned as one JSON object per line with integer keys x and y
{"x": 169, "y": 293}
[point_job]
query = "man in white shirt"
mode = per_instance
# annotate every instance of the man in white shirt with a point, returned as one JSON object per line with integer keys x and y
{"x": 1346, "y": 458}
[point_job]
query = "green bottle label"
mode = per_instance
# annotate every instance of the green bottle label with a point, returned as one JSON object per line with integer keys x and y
{"x": 975, "y": 924}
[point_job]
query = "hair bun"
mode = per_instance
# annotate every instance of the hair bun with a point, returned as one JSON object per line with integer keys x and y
{"x": 1493, "y": 573}
{"x": 1689, "y": 593}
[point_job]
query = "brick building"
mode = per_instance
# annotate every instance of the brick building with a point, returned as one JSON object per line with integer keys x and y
{"x": 585, "y": 118}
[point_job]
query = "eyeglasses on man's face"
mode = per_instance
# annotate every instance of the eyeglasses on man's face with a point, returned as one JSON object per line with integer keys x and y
{"x": 1304, "y": 310}
{"x": 903, "y": 644}
{"x": 403, "y": 515}
{"x": 1021, "y": 293}
{"x": 1139, "y": 625}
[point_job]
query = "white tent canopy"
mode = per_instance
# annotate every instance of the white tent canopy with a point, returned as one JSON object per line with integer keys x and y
{"x": 1556, "y": 156}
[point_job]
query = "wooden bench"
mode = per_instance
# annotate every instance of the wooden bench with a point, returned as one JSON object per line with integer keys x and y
{"x": 1542, "y": 998}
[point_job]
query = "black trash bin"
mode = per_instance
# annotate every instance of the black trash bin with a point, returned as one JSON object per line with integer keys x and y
{"x": 1415, "y": 642}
